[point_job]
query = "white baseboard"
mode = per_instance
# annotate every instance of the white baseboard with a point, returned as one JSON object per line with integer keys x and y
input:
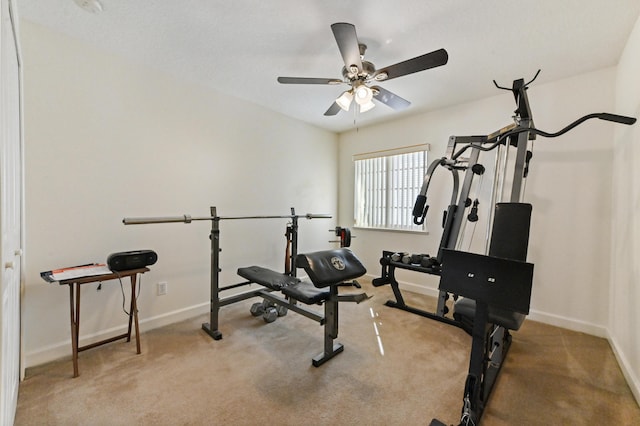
{"x": 420, "y": 289}
{"x": 409, "y": 286}
{"x": 568, "y": 323}
{"x": 627, "y": 371}
{"x": 535, "y": 315}
{"x": 174, "y": 316}
{"x": 63, "y": 349}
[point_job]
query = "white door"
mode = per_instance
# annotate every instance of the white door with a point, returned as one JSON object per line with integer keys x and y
{"x": 10, "y": 214}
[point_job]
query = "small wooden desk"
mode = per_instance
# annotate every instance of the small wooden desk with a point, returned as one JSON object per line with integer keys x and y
{"x": 74, "y": 304}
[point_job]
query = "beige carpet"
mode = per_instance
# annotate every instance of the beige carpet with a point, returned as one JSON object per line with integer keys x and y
{"x": 397, "y": 369}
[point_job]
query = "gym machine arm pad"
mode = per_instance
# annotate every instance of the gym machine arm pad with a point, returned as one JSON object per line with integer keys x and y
{"x": 420, "y": 209}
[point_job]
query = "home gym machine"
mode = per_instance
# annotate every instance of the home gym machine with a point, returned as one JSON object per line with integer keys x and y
{"x": 326, "y": 269}
{"x": 489, "y": 294}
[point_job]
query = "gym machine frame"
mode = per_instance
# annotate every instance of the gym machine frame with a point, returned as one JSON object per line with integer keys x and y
{"x": 515, "y": 135}
{"x": 212, "y": 327}
{"x": 490, "y": 342}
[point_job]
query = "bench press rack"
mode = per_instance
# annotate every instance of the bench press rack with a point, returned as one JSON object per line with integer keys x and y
{"x": 329, "y": 268}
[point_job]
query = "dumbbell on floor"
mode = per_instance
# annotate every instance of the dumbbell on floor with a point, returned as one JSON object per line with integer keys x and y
{"x": 268, "y": 309}
{"x": 257, "y": 309}
{"x": 270, "y": 314}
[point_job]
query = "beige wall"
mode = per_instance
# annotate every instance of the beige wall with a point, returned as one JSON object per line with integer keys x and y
{"x": 108, "y": 139}
{"x": 625, "y": 255}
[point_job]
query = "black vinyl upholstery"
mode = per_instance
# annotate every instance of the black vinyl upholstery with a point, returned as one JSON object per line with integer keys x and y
{"x": 327, "y": 270}
{"x": 306, "y": 293}
{"x": 330, "y": 267}
{"x": 511, "y": 320}
{"x": 510, "y": 233}
{"x": 267, "y": 277}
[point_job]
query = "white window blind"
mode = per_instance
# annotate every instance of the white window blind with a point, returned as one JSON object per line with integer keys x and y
{"x": 386, "y": 186}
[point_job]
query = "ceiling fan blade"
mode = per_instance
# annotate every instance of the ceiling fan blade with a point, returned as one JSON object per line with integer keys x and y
{"x": 419, "y": 63}
{"x": 333, "y": 109}
{"x": 389, "y": 98}
{"x": 347, "y": 40}
{"x": 305, "y": 80}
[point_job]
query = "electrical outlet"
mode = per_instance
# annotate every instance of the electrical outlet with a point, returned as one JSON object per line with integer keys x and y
{"x": 162, "y": 288}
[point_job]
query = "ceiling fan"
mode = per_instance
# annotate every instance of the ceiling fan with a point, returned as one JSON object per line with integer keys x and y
{"x": 359, "y": 74}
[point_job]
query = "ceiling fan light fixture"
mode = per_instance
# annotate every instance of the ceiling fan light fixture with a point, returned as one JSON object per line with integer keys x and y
{"x": 366, "y": 107}
{"x": 363, "y": 95}
{"x": 344, "y": 100}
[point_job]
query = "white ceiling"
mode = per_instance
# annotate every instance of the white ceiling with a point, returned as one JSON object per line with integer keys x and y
{"x": 240, "y": 47}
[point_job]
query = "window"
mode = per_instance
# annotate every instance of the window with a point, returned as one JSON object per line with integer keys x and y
{"x": 386, "y": 186}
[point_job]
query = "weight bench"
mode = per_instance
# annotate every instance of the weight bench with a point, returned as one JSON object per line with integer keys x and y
{"x": 327, "y": 270}
{"x": 289, "y": 285}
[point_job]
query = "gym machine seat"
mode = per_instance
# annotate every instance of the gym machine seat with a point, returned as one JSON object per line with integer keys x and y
{"x": 465, "y": 309}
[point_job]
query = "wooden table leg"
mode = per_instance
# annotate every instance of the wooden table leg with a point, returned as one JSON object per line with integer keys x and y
{"x": 130, "y": 313}
{"x": 75, "y": 324}
{"x": 134, "y": 312}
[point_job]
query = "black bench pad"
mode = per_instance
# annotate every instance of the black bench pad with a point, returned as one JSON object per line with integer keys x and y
{"x": 306, "y": 293}
{"x": 267, "y": 277}
{"x": 331, "y": 267}
{"x": 508, "y": 319}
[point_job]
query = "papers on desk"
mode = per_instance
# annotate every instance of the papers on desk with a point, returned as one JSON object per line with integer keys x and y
{"x": 88, "y": 270}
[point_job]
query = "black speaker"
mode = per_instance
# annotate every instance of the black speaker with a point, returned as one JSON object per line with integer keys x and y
{"x": 135, "y": 259}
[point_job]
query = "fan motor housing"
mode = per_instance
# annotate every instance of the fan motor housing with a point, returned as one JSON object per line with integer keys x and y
{"x": 367, "y": 71}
